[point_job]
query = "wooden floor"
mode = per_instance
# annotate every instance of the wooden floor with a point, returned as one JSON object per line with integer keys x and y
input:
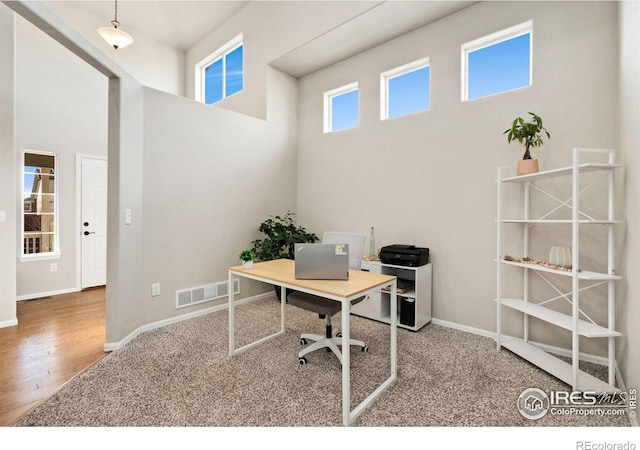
{"x": 56, "y": 339}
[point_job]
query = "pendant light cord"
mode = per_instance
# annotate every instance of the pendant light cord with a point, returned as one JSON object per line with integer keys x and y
{"x": 115, "y": 22}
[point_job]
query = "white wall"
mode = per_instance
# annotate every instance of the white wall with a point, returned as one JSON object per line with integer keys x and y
{"x": 263, "y": 152}
{"x": 61, "y": 106}
{"x": 149, "y": 62}
{"x": 629, "y": 309}
{"x": 429, "y": 179}
{"x": 7, "y": 174}
{"x": 270, "y": 29}
{"x": 211, "y": 176}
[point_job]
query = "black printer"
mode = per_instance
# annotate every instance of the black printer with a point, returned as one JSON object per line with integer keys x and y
{"x": 404, "y": 255}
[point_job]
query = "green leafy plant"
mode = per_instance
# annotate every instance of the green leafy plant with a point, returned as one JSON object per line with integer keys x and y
{"x": 247, "y": 255}
{"x": 528, "y": 134}
{"x": 281, "y": 234}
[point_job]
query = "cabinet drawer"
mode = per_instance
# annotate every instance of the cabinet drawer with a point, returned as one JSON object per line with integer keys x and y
{"x": 371, "y": 266}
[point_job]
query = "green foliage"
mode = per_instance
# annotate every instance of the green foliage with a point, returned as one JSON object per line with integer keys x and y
{"x": 247, "y": 255}
{"x": 281, "y": 234}
{"x": 527, "y": 133}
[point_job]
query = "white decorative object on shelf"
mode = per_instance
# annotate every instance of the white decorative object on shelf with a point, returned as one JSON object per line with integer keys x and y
{"x": 560, "y": 256}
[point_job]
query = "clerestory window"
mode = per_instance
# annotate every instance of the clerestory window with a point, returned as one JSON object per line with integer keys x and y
{"x": 405, "y": 90}
{"x": 497, "y": 63}
{"x": 221, "y": 74}
{"x": 341, "y": 108}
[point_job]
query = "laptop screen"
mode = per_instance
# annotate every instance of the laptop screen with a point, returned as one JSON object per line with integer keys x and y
{"x": 322, "y": 261}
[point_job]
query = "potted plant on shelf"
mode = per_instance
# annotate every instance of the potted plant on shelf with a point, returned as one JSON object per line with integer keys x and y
{"x": 281, "y": 235}
{"x": 528, "y": 134}
{"x": 247, "y": 256}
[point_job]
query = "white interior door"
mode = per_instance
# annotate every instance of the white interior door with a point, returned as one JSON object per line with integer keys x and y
{"x": 94, "y": 222}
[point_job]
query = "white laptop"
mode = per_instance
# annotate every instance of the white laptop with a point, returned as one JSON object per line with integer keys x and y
{"x": 322, "y": 261}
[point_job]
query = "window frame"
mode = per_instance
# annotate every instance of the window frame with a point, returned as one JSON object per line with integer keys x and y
{"x": 488, "y": 41}
{"x": 328, "y": 113}
{"x": 219, "y": 54}
{"x": 405, "y": 69}
{"x": 56, "y": 208}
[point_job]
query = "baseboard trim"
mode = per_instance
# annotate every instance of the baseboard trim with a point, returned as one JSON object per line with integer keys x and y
{"x": 9, "y": 323}
{"x": 623, "y": 388}
{"x": 465, "y": 328}
{"x": 111, "y": 346}
{"x": 601, "y": 360}
{"x": 20, "y": 298}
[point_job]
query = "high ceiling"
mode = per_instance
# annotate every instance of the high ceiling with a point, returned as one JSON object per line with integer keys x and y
{"x": 182, "y": 23}
{"x": 177, "y": 23}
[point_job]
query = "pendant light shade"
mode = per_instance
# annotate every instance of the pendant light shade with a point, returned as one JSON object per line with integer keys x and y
{"x": 115, "y": 37}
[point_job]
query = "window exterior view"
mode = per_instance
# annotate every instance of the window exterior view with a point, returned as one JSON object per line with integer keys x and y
{"x": 497, "y": 63}
{"x": 39, "y": 204}
{"x": 222, "y": 73}
{"x": 405, "y": 90}
{"x": 341, "y": 108}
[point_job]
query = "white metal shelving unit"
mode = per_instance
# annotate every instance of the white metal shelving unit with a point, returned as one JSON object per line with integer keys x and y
{"x": 578, "y": 323}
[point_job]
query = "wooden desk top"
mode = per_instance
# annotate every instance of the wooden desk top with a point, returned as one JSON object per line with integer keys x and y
{"x": 282, "y": 271}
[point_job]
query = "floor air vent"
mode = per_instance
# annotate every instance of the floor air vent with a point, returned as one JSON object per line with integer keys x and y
{"x": 201, "y": 294}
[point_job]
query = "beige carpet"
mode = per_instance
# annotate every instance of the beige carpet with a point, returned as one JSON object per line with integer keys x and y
{"x": 181, "y": 375}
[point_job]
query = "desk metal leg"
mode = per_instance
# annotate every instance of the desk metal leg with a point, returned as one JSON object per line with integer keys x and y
{"x": 349, "y": 417}
{"x": 232, "y": 323}
{"x": 394, "y": 330}
{"x": 283, "y": 303}
{"x": 346, "y": 364}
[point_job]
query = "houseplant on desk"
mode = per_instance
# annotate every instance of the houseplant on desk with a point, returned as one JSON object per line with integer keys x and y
{"x": 247, "y": 256}
{"x": 281, "y": 235}
{"x": 528, "y": 134}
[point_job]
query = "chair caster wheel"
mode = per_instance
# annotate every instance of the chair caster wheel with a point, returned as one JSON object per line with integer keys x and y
{"x": 302, "y": 360}
{"x": 338, "y": 334}
{"x": 365, "y": 348}
{"x": 303, "y": 341}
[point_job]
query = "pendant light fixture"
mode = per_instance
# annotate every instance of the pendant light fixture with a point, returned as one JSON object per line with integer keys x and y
{"x": 116, "y": 37}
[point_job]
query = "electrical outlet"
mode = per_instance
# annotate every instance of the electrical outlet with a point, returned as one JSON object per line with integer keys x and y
{"x": 53, "y": 267}
{"x": 155, "y": 289}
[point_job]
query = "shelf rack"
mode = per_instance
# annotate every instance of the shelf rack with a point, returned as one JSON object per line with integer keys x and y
{"x": 577, "y": 322}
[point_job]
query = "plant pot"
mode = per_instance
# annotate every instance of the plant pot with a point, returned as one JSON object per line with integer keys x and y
{"x": 247, "y": 264}
{"x": 527, "y": 166}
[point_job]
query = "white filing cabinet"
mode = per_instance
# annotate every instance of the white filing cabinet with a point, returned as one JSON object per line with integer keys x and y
{"x": 414, "y": 305}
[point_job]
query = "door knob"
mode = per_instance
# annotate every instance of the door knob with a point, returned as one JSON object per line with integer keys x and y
{"x": 87, "y": 233}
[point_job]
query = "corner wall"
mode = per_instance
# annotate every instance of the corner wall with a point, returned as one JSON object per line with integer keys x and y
{"x": 63, "y": 112}
{"x": 429, "y": 179}
{"x": 270, "y": 30}
{"x": 7, "y": 162}
{"x": 629, "y": 305}
{"x": 211, "y": 176}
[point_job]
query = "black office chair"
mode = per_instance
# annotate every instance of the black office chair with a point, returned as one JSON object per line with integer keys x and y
{"x": 327, "y": 308}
